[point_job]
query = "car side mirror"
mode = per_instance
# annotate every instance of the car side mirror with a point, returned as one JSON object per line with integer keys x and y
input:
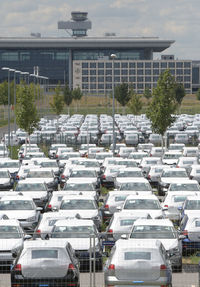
{"x": 181, "y": 237}
{"x": 55, "y": 209}
{"x": 26, "y": 237}
{"x": 119, "y": 208}
{"x": 14, "y": 254}
{"x": 164, "y": 208}
{"x": 124, "y": 236}
{"x": 39, "y": 209}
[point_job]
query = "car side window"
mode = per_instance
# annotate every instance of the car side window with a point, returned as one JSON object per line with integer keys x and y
{"x": 163, "y": 252}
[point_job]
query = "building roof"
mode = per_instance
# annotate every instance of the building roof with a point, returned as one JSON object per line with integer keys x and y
{"x": 153, "y": 43}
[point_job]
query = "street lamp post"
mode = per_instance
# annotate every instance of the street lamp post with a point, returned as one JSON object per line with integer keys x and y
{"x": 15, "y": 72}
{"x": 113, "y": 57}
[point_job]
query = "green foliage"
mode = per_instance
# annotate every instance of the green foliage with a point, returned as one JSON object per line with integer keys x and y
{"x": 198, "y": 94}
{"x": 68, "y": 96}
{"x": 58, "y": 104}
{"x": 179, "y": 92}
{"x": 77, "y": 94}
{"x": 163, "y": 104}
{"x": 26, "y": 111}
{"x": 135, "y": 103}
{"x": 147, "y": 93}
{"x": 122, "y": 94}
{"x": 4, "y": 93}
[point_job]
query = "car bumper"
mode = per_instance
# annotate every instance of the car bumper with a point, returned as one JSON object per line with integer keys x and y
{"x": 112, "y": 280}
{"x": 6, "y": 260}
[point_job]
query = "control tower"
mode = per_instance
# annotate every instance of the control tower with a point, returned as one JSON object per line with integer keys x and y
{"x": 79, "y": 24}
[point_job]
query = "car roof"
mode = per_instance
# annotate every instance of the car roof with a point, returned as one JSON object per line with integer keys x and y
{"x": 74, "y": 222}
{"x": 142, "y": 196}
{"x": 81, "y": 197}
{"x": 44, "y": 243}
{"x": 135, "y": 179}
{"x": 138, "y": 243}
{"x": 16, "y": 197}
{"x": 157, "y": 222}
{"x": 9, "y": 222}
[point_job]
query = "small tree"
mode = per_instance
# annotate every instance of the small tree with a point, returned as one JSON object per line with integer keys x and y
{"x": 179, "y": 93}
{"x": 198, "y": 95}
{"x": 68, "y": 96}
{"x": 147, "y": 93}
{"x": 58, "y": 104}
{"x": 163, "y": 104}
{"x": 77, "y": 95}
{"x": 135, "y": 103}
{"x": 122, "y": 94}
{"x": 26, "y": 111}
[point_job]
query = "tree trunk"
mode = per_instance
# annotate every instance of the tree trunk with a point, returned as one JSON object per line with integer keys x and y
{"x": 68, "y": 110}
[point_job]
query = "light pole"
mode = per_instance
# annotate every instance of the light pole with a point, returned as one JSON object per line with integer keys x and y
{"x": 34, "y": 76}
{"x": 8, "y": 70}
{"x": 15, "y": 72}
{"x": 113, "y": 57}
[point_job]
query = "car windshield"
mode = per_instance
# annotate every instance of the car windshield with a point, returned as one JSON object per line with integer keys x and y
{"x": 142, "y": 204}
{"x": 192, "y": 205}
{"x": 79, "y": 186}
{"x": 16, "y": 205}
{"x": 136, "y": 173}
{"x": 9, "y": 164}
{"x": 183, "y": 187}
{"x": 91, "y": 164}
{"x": 127, "y": 222}
{"x": 40, "y": 174}
{"x": 153, "y": 232}
{"x": 37, "y": 254}
{"x": 30, "y": 187}
{"x": 8, "y": 232}
{"x": 175, "y": 173}
{"x": 78, "y": 204}
{"x": 83, "y": 173}
{"x": 72, "y": 231}
{"x": 3, "y": 174}
{"x": 136, "y": 186}
{"x": 171, "y": 156}
{"x": 179, "y": 198}
{"x": 49, "y": 164}
{"x": 127, "y": 163}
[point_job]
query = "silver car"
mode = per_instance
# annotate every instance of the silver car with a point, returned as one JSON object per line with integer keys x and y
{"x": 46, "y": 263}
{"x": 136, "y": 262}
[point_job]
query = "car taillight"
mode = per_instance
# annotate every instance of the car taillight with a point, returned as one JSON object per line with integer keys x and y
{"x": 17, "y": 177}
{"x": 165, "y": 205}
{"x": 185, "y": 232}
{"x": 49, "y": 206}
{"x": 38, "y": 231}
{"x": 106, "y": 206}
{"x": 18, "y": 267}
{"x": 104, "y": 176}
{"x": 111, "y": 267}
{"x": 177, "y": 166}
{"x": 56, "y": 156}
{"x": 163, "y": 267}
{"x": 150, "y": 154}
{"x": 191, "y": 177}
{"x": 149, "y": 177}
{"x": 71, "y": 266}
{"x": 62, "y": 176}
{"x": 110, "y": 231}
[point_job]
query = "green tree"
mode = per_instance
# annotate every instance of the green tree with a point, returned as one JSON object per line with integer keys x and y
{"x": 147, "y": 93}
{"x": 57, "y": 104}
{"x": 179, "y": 93}
{"x": 135, "y": 103}
{"x": 68, "y": 96}
{"x": 77, "y": 95}
{"x": 26, "y": 111}
{"x": 198, "y": 95}
{"x": 163, "y": 104}
{"x": 122, "y": 94}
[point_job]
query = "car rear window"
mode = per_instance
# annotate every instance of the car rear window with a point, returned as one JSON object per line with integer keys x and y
{"x": 197, "y": 223}
{"x": 126, "y": 222}
{"x": 120, "y": 198}
{"x": 36, "y": 254}
{"x": 137, "y": 255}
{"x": 180, "y": 198}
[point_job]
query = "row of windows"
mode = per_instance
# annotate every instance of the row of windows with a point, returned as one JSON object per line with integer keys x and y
{"x": 131, "y": 79}
{"x": 22, "y": 56}
{"x": 94, "y": 86}
{"x": 135, "y": 72}
{"x": 126, "y": 65}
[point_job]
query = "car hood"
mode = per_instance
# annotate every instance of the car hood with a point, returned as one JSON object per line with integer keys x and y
{"x": 19, "y": 214}
{"x": 10, "y": 244}
{"x": 34, "y": 194}
{"x": 154, "y": 213}
{"x": 169, "y": 180}
{"x": 4, "y": 180}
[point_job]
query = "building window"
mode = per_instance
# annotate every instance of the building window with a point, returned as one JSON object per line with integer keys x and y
{"x": 148, "y": 85}
{"x": 100, "y": 79}
{"x": 148, "y": 65}
{"x": 92, "y": 72}
{"x": 92, "y": 86}
{"x": 100, "y": 72}
{"x": 85, "y": 65}
{"x": 155, "y": 79}
{"x": 179, "y": 78}
{"x": 117, "y": 65}
{"x": 124, "y": 65}
{"x": 125, "y": 79}
{"x": 108, "y": 79}
{"x": 85, "y": 86}
{"x": 85, "y": 79}
{"x": 93, "y": 79}
{"x": 140, "y": 79}
{"x": 148, "y": 72}
{"x": 109, "y": 86}
{"x": 108, "y": 72}
{"x": 187, "y": 86}
{"x": 187, "y": 64}
{"x": 108, "y": 65}
{"x": 179, "y": 72}
{"x": 140, "y": 86}
{"x": 186, "y": 78}
{"x": 147, "y": 79}
{"x": 140, "y": 72}
{"x": 93, "y": 65}
{"x": 116, "y": 72}
{"x": 140, "y": 65}
{"x": 124, "y": 72}
{"x": 171, "y": 65}
{"x": 100, "y": 86}
{"x": 156, "y": 65}
{"x": 85, "y": 72}
{"x": 172, "y": 72}
{"x": 164, "y": 65}
{"x": 131, "y": 72}
{"x": 117, "y": 79}
{"x": 156, "y": 72}
{"x": 100, "y": 65}
{"x": 179, "y": 65}
{"x": 187, "y": 72}
{"x": 132, "y": 79}
{"x": 132, "y": 65}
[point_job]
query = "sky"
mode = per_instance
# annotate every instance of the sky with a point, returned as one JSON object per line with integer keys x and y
{"x": 177, "y": 20}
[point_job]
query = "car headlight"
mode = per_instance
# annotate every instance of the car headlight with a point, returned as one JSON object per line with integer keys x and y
{"x": 32, "y": 218}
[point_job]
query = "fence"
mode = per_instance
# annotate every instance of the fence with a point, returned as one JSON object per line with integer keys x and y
{"x": 42, "y": 260}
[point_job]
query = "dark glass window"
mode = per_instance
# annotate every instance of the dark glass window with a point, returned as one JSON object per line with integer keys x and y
{"x": 131, "y": 72}
{"x": 116, "y": 65}
{"x": 93, "y": 79}
{"x": 187, "y": 78}
{"x": 140, "y": 65}
{"x": 179, "y": 65}
{"x": 108, "y": 79}
{"x": 187, "y": 72}
{"x": 84, "y": 65}
{"x": 187, "y": 64}
{"x": 155, "y": 79}
{"x": 100, "y": 79}
{"x": 101, "y": 65}
{"x": 100, "y": 72}
{"x": 124, "y": 65}
{"x": 92, "y": 65}
{"x": 132, "y": 79}
{"x": 124, "y": 72}
{"x": 147, "y": 79}
{"x": 84, "y": 79}
{"x": 148, "y": 85}
{"x": 109, "y": 65}
{"x": 85, "y": 72}
{"x": 116, "y": 72}
{"x": 187, "y": 86}
{"x": 131, "y": 65}
{"x": 140, "y": 79}
{"x": 117, "y": 79}
{"x": 179, "y": 78}
{"x": 100, "y": 86}
{"x": 108, "y": 72}
{"x": 140, "y": 72}
{"x": 179, "y": 71}
{"x": 124, "y": 79}
{"x": 85, "y": 86}
{"x": 147, "y": 65}
{"x": 171, "y": 65}
{"x": 172, "y": 72}
{"x": 156, "y": 72}
{"x": 92, "y": 86}
{"x": 156, "y": 65}
{"x": 148, "y": 72}
{"x": 108, "y": 86}
{"x": 140, "y": 86}
{"x": 163, "y": 65}
{"x": 92, "y": 72}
